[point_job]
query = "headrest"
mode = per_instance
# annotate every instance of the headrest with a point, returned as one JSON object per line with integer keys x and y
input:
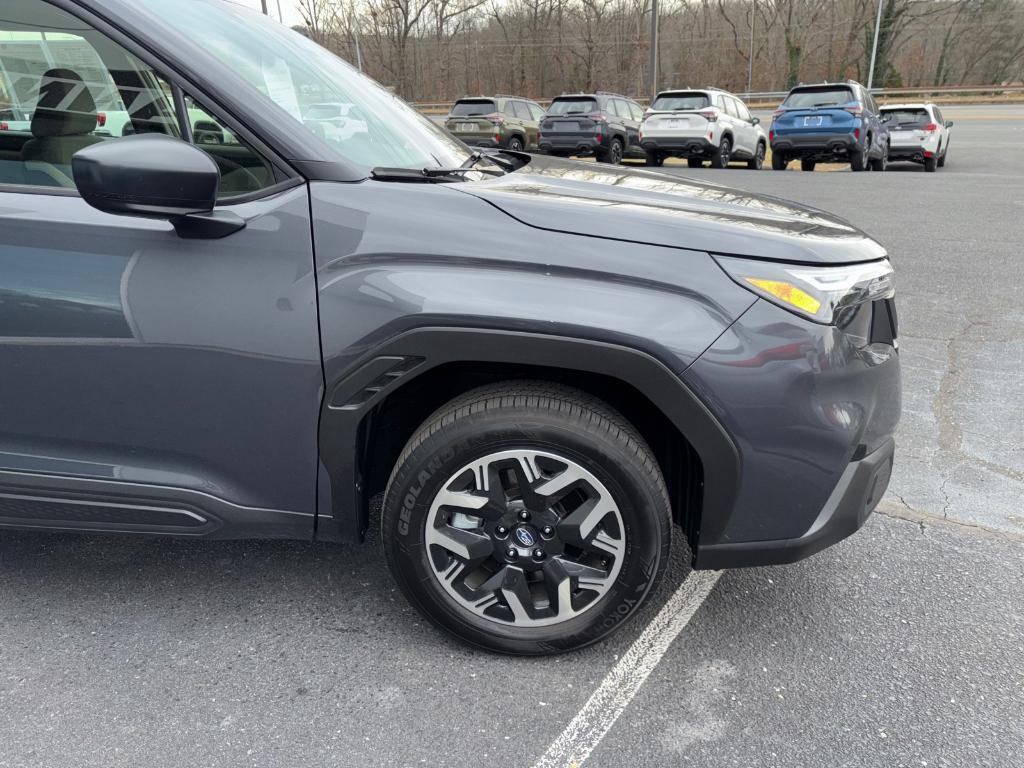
{"x": 65, "y": 106}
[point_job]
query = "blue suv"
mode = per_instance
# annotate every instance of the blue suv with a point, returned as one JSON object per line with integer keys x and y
{"x": 830, "y": 122}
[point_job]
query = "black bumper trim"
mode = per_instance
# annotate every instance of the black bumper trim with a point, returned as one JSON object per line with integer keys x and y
{"x": 855, "y": 496}
{"x": 700, "y": 147}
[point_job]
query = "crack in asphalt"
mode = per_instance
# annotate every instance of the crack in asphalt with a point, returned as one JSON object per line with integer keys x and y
{"x": 922, "y": 519}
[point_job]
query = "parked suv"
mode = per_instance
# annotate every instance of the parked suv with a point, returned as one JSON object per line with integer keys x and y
{"x": 829, "y": 123}
{"x": 918, "y": 133}
{"x": 700, "y": 125}
{"x": 541, "y": 373}
{"x": 603, "y": 125}
{"x": 496, "y": 121}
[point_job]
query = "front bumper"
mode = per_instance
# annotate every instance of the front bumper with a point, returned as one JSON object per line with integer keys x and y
{"x": 812, "y": 410}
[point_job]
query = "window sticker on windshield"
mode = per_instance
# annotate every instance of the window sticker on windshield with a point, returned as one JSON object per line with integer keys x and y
{"x": 280, "y": 88}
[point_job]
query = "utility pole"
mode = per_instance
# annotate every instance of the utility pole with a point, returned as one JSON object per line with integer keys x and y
{"x": 750, "y": 61}
{"x": 264, "y": 4}
{"x": 874, "y": 47}
{"x": 280, "y": 16}
{"x": 359, "y": 53}
{"x": 654, "y": 48}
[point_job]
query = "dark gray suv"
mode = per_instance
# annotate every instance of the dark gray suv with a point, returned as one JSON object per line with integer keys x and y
{"x": 544, "y": 372}
{"x": 602, "y": 125}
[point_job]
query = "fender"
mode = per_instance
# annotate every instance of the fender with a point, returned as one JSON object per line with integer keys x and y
{"x": 382, "y": 371}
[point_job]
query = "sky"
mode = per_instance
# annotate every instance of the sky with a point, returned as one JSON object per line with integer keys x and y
{"x": 291, "y": 16}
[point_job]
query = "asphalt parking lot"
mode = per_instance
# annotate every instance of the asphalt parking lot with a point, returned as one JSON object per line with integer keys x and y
{"x": 902, "y": 646}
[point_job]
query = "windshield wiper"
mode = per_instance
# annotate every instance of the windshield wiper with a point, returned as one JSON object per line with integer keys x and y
{"x": 424, "y": 175}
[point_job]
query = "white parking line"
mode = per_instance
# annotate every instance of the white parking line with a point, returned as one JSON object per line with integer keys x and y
{"x": 611, "y": 698}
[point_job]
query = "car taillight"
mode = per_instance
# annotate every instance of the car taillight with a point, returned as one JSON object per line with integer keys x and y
{"x": 856, "y": 133}
{"x": 598, "y": 118}
{"x": 709, "y": 114}
{"x": 771, "y": 135}
{"x": 496, "y": 118}
{"x": 4, "y": 127}
{"x": 778, "y": 113}
{"x": 101, "y": 119}
{"x": 931, "y": 128}
{"x": 855, "y": 109}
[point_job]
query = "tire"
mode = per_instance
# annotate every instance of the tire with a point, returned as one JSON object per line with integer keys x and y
{"x": 878, "y": 163}
{"x": 515, "y": 144}
{"x": 526, "y": 435}
{"x": 857, "y": 161}
{"x": 614, "y": 154}
{"x": 930, "y": 164}
{"x": 779, "y": 161}
{"x": 695, "y": 162}
{"x": 942, "y": 158}
{"x": 757, "y": 161}
{"x": 655, "y": 160}
{"x": 721, "y": 157}
{"x": 807, "y": 165}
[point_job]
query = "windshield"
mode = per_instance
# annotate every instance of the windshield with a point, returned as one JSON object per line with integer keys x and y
{"x": 572, "y": 107}
{"x": 473, "y": 108}
{"x": 302, "y": 78}
{"x": 681, "y": 101}
{"x": 819, "y": 97}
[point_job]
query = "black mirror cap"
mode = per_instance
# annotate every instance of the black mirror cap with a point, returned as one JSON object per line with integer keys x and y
{"x": 755, "y": 120}
{"x": 148, "y": 174}
{"x": 949, "y": 123}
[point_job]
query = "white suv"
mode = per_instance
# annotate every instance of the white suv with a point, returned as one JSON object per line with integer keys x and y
{"x": 917, "y": 133}
{"x": 702, "y": 124}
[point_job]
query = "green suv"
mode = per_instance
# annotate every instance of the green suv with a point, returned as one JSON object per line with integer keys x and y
{"x": 504, "y": 121}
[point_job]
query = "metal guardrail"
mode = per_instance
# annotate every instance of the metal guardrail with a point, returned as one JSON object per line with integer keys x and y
{"x": 774, "y": 97}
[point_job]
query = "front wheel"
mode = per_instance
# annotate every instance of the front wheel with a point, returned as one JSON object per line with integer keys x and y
{"x": 526, "y": 518}
{"x": 879, "y": 163}
{"x": 942, "y": 158}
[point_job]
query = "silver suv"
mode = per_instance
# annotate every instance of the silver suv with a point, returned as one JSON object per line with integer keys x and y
{"x": 703, "y": 124}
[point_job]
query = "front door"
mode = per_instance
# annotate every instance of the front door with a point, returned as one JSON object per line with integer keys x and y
{"x": 147, "y": 382}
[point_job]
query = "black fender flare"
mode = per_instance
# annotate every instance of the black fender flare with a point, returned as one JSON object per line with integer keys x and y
{"x": 392, "y": 364}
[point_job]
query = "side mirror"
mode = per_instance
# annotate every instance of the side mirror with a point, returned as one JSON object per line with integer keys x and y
{"x": 755, "y": 120}
{"x": 949, "y": 123}
{"x": 155, "y": 176}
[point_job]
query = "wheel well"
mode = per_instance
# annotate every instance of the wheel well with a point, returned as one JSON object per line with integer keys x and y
{"x": 392, "y": 423}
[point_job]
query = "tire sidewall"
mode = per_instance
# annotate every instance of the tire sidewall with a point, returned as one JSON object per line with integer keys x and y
{"x": 433, "y": 462}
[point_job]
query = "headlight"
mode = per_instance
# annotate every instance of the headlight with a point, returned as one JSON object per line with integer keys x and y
{"x": 819, "y": 293}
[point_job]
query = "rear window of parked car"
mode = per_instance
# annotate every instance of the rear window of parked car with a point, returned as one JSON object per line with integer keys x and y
{"x": 471, "y": 108}
{"x": 681, "y": 101}
{"x": 572, "y": 107}
{"x": 907, "y": 116}
{"x": 820, "y": 97}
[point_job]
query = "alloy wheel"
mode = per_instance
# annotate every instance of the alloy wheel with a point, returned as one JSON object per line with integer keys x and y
{"x": 525, "y": 537}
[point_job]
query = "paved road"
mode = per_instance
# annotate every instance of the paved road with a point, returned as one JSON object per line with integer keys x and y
{"x": 902, "y": 646}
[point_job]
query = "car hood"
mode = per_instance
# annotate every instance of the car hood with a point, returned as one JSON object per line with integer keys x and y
{"x": 659, "y": 208}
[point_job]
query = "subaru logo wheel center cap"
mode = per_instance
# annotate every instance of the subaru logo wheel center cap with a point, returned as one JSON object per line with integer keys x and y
{"x": 524, "y": 537}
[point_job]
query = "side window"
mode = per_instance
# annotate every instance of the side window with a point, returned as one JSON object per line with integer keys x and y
{"x": 621, "y": 109}
{"x": 522, "y": 111}
{"x": 509, "y": 108}
{"x": 69, "y": 87}
{"x": 720, "y": 102}
{"x": 741, "y": 111}
{"x": 638, "y": 113}
{"x": 730, "y": 106}
{"x": 242, "y": 169}
{"x": 537, "y": 111}
{"x": 938, "y": 115}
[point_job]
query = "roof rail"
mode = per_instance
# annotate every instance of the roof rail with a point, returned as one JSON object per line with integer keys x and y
{"x": 610, "y": 93}
{"x": 507, "y": 96}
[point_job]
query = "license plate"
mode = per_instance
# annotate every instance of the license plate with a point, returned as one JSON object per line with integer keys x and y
{"x": 814, "y": 121}
{"x": 567, "y": 126}
{"x": 465, "y": 127}
{"x": 678, "y": 123}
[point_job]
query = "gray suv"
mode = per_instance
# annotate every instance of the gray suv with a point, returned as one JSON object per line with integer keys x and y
{"x": 543, "y": 374}
{"x": 602, "y": 125}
